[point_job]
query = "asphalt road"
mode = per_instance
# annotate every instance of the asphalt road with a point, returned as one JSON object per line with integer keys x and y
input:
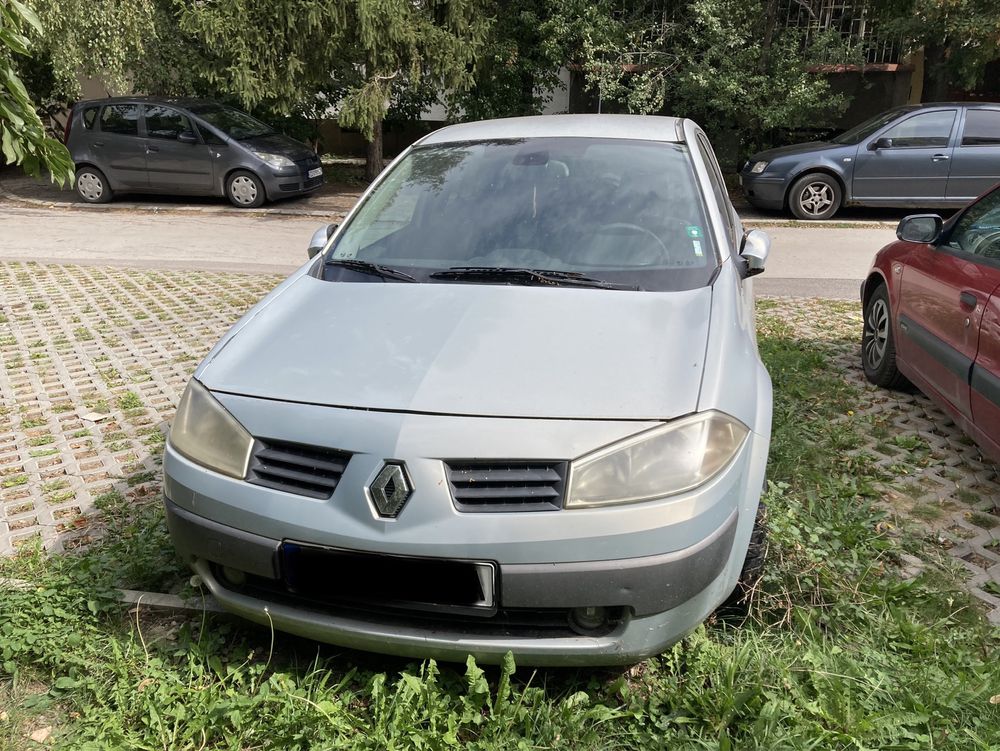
{"x": 812, "y": 261}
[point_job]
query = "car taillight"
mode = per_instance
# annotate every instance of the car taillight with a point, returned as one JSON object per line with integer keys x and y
{"x": 69, "y": 125}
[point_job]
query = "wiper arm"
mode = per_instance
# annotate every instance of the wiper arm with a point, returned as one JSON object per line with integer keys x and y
{"x": 524, "y": 276}
{"x": 367, "y": 267}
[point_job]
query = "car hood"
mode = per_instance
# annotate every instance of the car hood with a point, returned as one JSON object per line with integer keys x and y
{"x": 798, "y": 149}
{"x": 276, "y": 143}
{"x": 470, "y": 349}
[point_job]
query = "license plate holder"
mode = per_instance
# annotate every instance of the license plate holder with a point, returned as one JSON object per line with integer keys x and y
{"x": 315, "y": 172}
{"x": 330, "y": 574}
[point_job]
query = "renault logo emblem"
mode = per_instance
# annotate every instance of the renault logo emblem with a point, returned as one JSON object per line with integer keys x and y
{"x": 390, "y": 490}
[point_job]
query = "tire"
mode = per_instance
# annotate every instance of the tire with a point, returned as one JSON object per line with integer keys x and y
{"x": 245, "y": 190}
{"x": 815, "y": 196}
{"x": 878, "y": 345}
{"x": 92, "y": 186}
{"x": 736, "y": 607}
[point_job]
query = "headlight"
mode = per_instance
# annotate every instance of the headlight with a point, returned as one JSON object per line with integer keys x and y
{"x": 758, "y": 167}
{"x": 670, "y": 459}
{"x": 207, "y": 434}
{"x": 277, "y": 161}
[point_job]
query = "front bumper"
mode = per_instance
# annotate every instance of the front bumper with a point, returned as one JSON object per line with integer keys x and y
{"x": 763, "y": 191}
{"x": 663, "y": 566}
{"x": 278, "y": 185}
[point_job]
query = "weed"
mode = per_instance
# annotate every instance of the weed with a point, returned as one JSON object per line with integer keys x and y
{"x": 129, "y": 400}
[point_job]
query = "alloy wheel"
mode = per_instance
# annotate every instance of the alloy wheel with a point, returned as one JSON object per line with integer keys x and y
{"x": 816, "y": 198}
{"x": 876, "y": 336}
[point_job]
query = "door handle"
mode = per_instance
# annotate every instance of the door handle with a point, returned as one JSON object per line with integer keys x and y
{"x": 152, "y": 150}
{"x": 98, "y": 144}
{"x": 940, "y": 158}
{"x": 968, "y": 299}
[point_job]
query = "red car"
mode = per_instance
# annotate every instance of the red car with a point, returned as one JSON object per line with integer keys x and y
{"x": 932, "y": 315}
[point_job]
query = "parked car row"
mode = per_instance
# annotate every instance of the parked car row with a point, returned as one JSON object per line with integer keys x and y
{"x": 184, "y": 147}
{"x": 496, "y": 410}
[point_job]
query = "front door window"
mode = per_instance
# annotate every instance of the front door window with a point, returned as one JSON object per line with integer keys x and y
{"x": 927, "y": 129}
{"x": 978, "y": 231}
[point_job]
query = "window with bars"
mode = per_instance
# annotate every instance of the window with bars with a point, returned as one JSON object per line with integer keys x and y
{"x": 853, "y": 22}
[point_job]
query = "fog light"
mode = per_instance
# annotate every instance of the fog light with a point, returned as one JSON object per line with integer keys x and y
{"x": 234, "y": 576}
{"x": 587, "y": 620}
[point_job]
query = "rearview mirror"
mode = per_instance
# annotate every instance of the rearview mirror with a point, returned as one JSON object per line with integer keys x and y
{"x": 880, "y": 143}
{"x": 187, "y": 137}
{"x": 754, "y": 251}
{"x": 319, "y": 239}
{"x": 920, "y": 228}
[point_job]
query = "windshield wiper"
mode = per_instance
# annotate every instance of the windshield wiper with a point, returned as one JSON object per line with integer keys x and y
{"x": 367, "y": 267}
{"x": 518, "y": 275}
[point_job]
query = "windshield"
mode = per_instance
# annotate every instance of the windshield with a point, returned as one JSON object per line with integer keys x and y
{"x": 233, "y": 123}
{"x": 618, "y": 211}
{"x": 859, "y": 133}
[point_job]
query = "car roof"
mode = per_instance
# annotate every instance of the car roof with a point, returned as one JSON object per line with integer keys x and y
{"x": 932, "y": 105}
{"x": 177, "y": 101}
{"x": 637, "y": 127}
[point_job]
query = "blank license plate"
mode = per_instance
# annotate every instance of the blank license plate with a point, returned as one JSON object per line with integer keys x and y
{"x": 420, "y": 583}
{"x": 316, "y": 172}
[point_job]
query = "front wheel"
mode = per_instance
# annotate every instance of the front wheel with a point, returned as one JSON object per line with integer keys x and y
{"x": 878, "y": 345}
{"x": 737, "y": 606}
{"x": 92, "y": 186}
{"x": 815, "y": 196}
{"x": 245, "y": 190}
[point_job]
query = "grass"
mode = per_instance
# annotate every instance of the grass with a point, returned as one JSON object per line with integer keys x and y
{"x": 839, "y": 653}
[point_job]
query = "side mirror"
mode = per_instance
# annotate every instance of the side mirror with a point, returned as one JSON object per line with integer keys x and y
{"x": 319, "y": 239}
{"x": 187, "y": 137}
{"x": 880, "y": 143}
{"x": 754, "y": 251}
{"x": 920, "y": 228}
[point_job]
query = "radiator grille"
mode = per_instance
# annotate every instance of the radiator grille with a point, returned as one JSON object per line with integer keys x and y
{"x": 507, "y": 486}
{"x": 304, "y": 470}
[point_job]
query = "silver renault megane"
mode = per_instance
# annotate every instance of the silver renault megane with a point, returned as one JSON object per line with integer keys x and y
{"x": 513, "y": 403}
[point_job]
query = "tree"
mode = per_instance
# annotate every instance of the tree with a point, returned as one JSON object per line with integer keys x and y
{"x": 725, "y": 63}
{"x": 958, "y": 38}
{"x": 22, "y": 136}
{"x": 527, "y": 44}
{"x": 290, "y": 51}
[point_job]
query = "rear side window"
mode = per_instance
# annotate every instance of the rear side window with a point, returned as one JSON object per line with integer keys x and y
{"x": 122, "y": 119}
{"x": 89, "y": 117}
{"x": 163, "y": 122}
{"x": 925, "y": 129}
{"x": 982, "y": 128}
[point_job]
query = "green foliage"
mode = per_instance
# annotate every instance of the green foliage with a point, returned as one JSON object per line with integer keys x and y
{"x": 527, "y": 44}
{"x": 839, "y": 654}
{"x": 724, "y": 63}
{"x": 363, "y": 55}
{"x": 22, "y": 137}
{"x": 101, "y": 38}
{"x": 958, "y": 36}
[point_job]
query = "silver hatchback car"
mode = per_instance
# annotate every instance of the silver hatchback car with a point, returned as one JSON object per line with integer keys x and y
{"x": 514, "y": 403}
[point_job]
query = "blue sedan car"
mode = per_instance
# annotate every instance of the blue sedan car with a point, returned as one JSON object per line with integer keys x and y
{"x": 929, "y": 155}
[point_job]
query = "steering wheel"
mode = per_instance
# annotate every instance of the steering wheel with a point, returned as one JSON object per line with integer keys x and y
{"x": 606, "y": 228}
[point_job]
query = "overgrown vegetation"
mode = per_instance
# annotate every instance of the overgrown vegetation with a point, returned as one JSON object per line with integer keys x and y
{"x": 840, "y": 652}
{"x": 23, "y": 140}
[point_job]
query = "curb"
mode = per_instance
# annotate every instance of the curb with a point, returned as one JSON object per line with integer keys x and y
{"x": 151, "y": 209}
{"x": 14, "y": 198}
